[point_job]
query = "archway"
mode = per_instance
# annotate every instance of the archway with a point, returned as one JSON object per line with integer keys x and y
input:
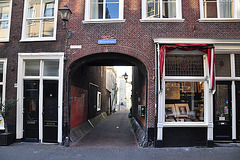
{"x": 87, "y": 81}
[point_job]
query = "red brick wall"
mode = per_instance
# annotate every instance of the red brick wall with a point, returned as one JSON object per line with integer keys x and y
{"x": 135, "y": 38}
{"x": 79, "y": 106}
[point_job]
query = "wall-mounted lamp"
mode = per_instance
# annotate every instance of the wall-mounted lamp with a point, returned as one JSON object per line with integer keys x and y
{"x": 65, "y": 13}
{"x": 125, "y": 76}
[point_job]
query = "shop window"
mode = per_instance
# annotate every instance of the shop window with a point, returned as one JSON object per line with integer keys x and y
{"x": 40, "y": 20}
{"x": 184, "y": 101}
{"x": 103, "y": 10}
{"x": 161, "y": 9}
{"x": 5, "y": 17}
{"x": 223, "y": 66}
{"x": 237, "y": 65}
{"x": 184, "y": 65}
{"x": 218, "y": 9}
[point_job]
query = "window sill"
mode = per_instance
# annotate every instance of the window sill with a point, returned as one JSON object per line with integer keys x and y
{"x": 37, "y": 39}
{"x": 162, "y": 20}
{"x": 4, "y": 40}
{"x": 185, "y": 124}
{"x": 219, "y": 20}
{"x": 104, "y": 21}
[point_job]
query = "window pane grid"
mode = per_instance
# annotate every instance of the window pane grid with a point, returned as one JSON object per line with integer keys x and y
{"x": 184, "y": 65}
{"x": 104, "y": 9}
{"x": 223, "y": 68}
{"x": 237, "y": 65}
{"x": 218, "y": 8}
{"x": 40, "y": 18}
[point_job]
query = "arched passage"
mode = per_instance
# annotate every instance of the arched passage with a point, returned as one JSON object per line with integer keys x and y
{"x": 87, "y": 78}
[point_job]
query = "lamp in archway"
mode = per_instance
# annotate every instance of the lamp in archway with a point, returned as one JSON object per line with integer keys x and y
{"x": 65, "y": 13}
{"x": 125, "y": 76}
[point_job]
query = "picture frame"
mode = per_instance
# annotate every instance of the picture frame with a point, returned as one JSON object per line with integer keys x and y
{"x": 172, "y": 90}
{"x": 170, "y": 110}
{"x": 182, "y": 109}
{"x": 187, "y": 87}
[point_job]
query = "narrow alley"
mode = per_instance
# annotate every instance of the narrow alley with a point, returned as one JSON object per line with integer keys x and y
{"x": 113, "y": 132}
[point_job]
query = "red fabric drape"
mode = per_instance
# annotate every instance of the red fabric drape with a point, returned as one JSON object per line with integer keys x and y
{"x": 189, "y": 47}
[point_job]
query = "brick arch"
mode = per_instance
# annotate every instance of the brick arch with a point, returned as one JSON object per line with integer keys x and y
{"x": 145, "y": 59}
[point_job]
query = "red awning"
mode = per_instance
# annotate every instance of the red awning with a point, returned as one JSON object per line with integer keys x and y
{"x": 206, "y": 48}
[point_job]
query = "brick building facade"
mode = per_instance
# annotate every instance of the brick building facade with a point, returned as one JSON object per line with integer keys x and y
{"x": 139, "y": 35}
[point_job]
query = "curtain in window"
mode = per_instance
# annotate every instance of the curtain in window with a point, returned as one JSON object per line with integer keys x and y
{"x": 189, "y": 47}
{"x": 226, "y": 9}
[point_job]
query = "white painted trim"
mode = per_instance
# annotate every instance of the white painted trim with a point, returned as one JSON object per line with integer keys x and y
{"x": 185, "y": 124}
{"x": 178, "y": 13}
{"x": 24, "y": 38}
{"x": 104, "y": 21}
{"x": 9, "y": 23}
{"x": 234, "y": 111}
{"x": 162, "y": 20}
{"x": 235, "y": 13}
{"x": 19, "y": 116}
{"x": 87, "y": 14}
{"x": 195, "y": 41}
{"x": 219, "y": 20}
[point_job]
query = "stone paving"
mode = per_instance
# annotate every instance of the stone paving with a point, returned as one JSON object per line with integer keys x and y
{"x": 98, "y": 145}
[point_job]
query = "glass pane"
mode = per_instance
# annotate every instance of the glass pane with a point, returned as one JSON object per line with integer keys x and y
{"x": 169, "y": 9}
{"x": 112, "y": 0}
{"x": 210, "y": 9}
{"x": 237, "y": 65}
{"x": 153, "y": 9}
{"x": 48, "y": 8}
{"x": 3, "y": 29}
{"x": 184, "y": 101}
{"x": 96, "y": 9}
{"x": 223, "y": 66}
{"x": 34, "y": 8}
{"x": 1, "y": 95}
{"x": 112, "y": 10}
{"x": 48, "y": 28}
{"x": 184, "y": 65}
{"x": 32, "y": 68}
{"x": 226, "y": 9}
{"x": 1, "y": 72}
{"x": 51, "y": 68}
{"x": 4, "y": 9}
{"x": 222, "y": 102}
{"x": 33, "y": 28}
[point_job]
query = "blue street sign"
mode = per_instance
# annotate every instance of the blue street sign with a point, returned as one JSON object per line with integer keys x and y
{"x": 107, "y": 41}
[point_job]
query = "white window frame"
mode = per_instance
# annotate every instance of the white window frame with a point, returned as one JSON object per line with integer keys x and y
{"x": 236, "y": 14}
{"x": 3, "y": 84}
{"x": 186, "y": 79}
{"x": 99, "y": 101}
{"x": 9, "y": 23}
{"x": 177, "y": 19}
{"x": 24, "y": 37}
{"x": 22, "y": 57}
{"x": 118, "y": 20}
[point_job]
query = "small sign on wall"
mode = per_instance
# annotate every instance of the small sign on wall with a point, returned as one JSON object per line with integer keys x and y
{"x": 107, "y": 41}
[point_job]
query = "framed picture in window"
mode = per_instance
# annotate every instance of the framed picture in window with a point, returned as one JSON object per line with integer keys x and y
{"x": 182, "y": 109}
{"x": 188, "y": 87}
{"x": 170, "y": 110}
{"x": 172, "y": 90}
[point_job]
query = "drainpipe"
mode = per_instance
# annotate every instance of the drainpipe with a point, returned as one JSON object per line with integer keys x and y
{"x": 156, "y": 95}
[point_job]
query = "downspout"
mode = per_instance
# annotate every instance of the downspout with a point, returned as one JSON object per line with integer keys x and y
{"x": 156, "y": 95}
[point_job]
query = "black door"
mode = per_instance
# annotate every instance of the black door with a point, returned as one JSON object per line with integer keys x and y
{"x": 238, "y": 109}
{"x": 223, "y": 112}
{"x": 31, "y": 110}
{"x": 50, "y": 111}
{"x": 92, "y": 101}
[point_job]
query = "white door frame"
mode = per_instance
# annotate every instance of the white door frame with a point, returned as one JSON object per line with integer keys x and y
{"x": 19, "y": 112}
